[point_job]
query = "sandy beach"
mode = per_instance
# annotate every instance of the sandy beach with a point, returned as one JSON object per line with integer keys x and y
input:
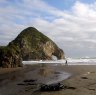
{"x": 81, "y": 79}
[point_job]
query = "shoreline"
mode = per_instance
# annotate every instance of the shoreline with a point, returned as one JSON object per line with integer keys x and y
{"x": 82, "y": 76}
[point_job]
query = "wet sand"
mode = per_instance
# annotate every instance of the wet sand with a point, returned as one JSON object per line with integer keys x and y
{"x": 82, "y": 81}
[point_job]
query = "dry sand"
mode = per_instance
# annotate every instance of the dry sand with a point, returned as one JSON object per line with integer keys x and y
{"x": 82, "y": 81}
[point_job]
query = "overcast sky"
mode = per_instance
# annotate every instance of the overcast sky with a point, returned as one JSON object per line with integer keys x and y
{"x": 70, "y": 23}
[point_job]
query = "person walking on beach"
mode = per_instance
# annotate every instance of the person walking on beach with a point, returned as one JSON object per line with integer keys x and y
{"x": 66, "y": 63}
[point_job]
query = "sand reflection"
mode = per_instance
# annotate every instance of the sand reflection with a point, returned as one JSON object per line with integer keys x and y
{"x": 45, "y": 70}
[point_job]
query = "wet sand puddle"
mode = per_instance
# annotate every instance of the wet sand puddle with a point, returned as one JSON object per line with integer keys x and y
{"x": 46, "y": 75}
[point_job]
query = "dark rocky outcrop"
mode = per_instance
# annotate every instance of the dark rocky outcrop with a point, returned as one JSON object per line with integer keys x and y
{"x": 52, "y": 87}
{"x": 10, "y": 57}
{"x": 30, "y": 44}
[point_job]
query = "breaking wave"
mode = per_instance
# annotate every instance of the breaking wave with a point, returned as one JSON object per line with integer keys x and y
{"x": 71, "y": 61}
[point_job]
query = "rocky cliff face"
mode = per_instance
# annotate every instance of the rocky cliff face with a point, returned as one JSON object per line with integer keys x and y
{"x": 50, "y": 48}
{"x": 30, "y": 44}
{"x": 10, "y": 57}
{"x": 36, "y": 46}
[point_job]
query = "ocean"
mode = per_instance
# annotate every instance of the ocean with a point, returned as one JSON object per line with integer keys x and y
{"x": 71, "y": 61}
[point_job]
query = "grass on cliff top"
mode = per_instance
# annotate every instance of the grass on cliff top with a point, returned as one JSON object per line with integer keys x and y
{"x": 31, "y": 34}
{"x": 31, "y": 38}
{"x": 9, "y": 50}
{"x": 4, "y": 50}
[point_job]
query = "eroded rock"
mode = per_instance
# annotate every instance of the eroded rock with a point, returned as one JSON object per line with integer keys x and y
{"x": 30, "y": 44}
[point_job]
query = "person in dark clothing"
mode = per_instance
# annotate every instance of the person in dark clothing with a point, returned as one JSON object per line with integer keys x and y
{"x": 66, "y": 63}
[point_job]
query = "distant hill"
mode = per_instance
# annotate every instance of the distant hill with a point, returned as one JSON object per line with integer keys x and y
{"x": 30, "y": 44}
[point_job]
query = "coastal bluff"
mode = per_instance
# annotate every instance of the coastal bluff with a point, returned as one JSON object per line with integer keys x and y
{"x": 30, "y": 44}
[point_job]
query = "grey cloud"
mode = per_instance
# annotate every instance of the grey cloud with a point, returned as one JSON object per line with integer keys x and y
{"x": 73, "y": 31}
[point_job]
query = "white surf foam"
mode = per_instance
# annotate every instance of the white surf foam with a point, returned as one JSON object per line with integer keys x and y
{"x": 82, "y": 61}
{"x": 71, "y": 61}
